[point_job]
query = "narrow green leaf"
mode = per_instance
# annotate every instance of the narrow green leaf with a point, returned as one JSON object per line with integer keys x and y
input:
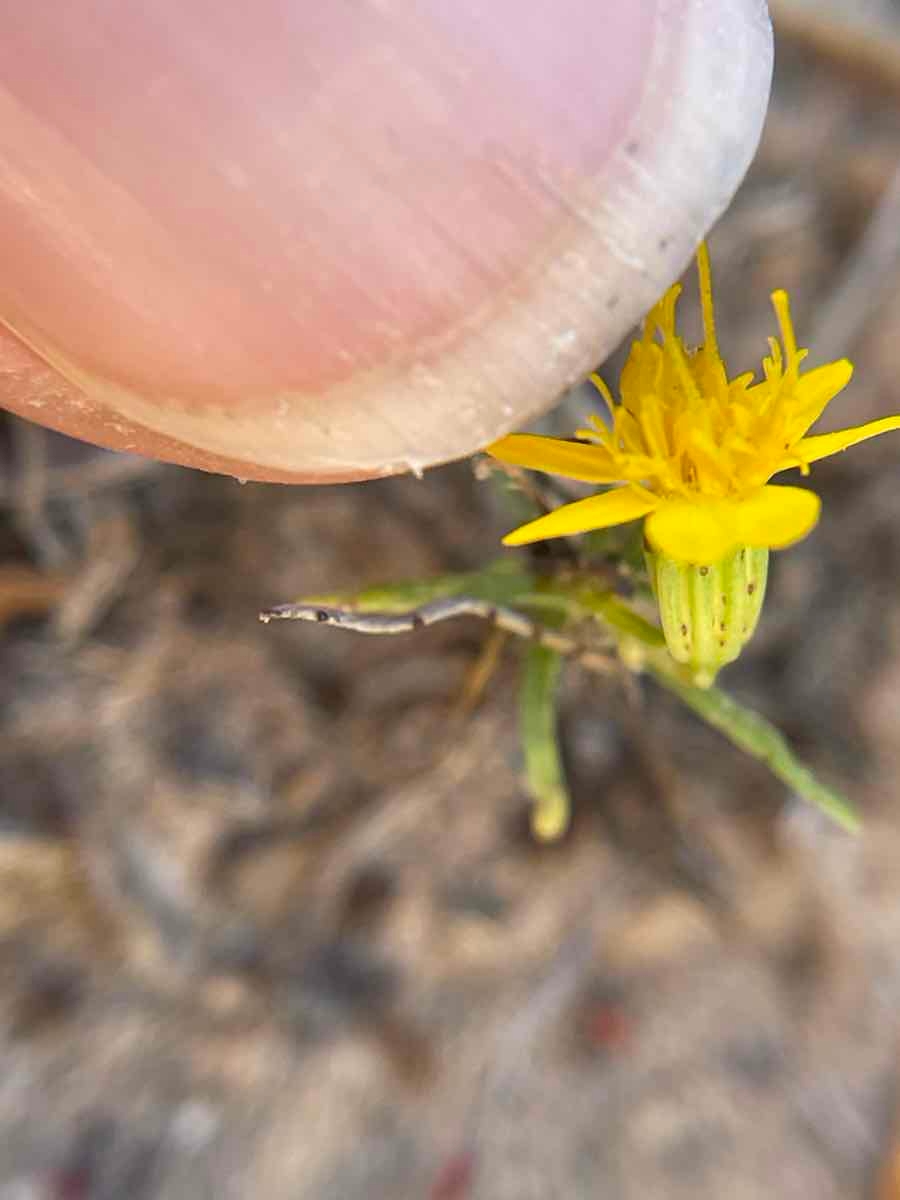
{"x": 622, "y": 618}
{"x": 500, "y": 582}
{"x": 543, "y": 765}
{"x": 753, "y": 734}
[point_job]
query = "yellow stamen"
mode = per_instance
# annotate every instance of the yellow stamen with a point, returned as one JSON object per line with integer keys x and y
{"x": 706, "y": 300}
{"x": 600, "y": 384}
{"x": 782, "y": 307}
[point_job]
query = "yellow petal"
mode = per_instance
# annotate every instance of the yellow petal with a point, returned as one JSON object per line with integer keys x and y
{"x": 703, "y": 532}
{"x": 814, "y": 391}
{"x": 595, "y": 512}
{"x": 573, "y": 460}
{"x": 811, "y": 449}
{"x": 774, "y": 517}
{"x": 694, "y": 532}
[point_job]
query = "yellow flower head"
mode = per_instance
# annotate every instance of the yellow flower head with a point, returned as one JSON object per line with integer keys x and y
{"x": 692, "y": 450}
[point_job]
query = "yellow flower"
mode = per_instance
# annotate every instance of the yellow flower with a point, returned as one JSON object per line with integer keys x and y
{"x": 693, "y": 452}
{"x": 692, "y": 449}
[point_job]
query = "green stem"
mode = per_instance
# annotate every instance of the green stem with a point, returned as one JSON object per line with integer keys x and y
{"x": 753, "y": 734}
{"x": 543, "y": 765}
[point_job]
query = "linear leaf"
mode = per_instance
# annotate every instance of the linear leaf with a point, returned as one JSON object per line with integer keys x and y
{"x": 753, "y": 734}
{"x": 543, "y": 764}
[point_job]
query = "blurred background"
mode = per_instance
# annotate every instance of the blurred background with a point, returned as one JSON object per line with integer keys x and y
{"x": 272, "y": 923}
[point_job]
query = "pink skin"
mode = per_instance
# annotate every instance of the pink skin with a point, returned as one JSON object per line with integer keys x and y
{"x": 311, "y": 242}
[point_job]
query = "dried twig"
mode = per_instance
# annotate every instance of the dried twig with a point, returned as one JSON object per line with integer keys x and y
{"x": 93, "y": 471}
{"x": 507, "y": 619}
{"x": 114, "y": 552}
{"x": 479, "y": 675}
{"x": 25, "y": 591}
{"x": 30, "y": 497}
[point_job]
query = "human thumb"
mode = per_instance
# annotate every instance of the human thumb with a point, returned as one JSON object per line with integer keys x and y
{"x": 328, "y": 241}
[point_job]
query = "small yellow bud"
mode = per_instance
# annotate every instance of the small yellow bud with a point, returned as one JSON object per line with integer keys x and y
{"x": 708, "y": 612}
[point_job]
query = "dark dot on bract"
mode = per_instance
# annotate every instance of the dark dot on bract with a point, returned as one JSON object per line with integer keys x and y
{"x": 704, "y": 570}
{"x": 663, "y": 244}
{"x": 633, "y": 146}
{"x": 751, "y": 588}
{"x": 684, "y": 631}
{"x": 612, "y": 303}
{"x": 321, "y": 615}
{"x": 724, "y": 598}
{"x": 723, "y": 627}
{"x": 722, "y": 643}
{"x": 417, "y": 622}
